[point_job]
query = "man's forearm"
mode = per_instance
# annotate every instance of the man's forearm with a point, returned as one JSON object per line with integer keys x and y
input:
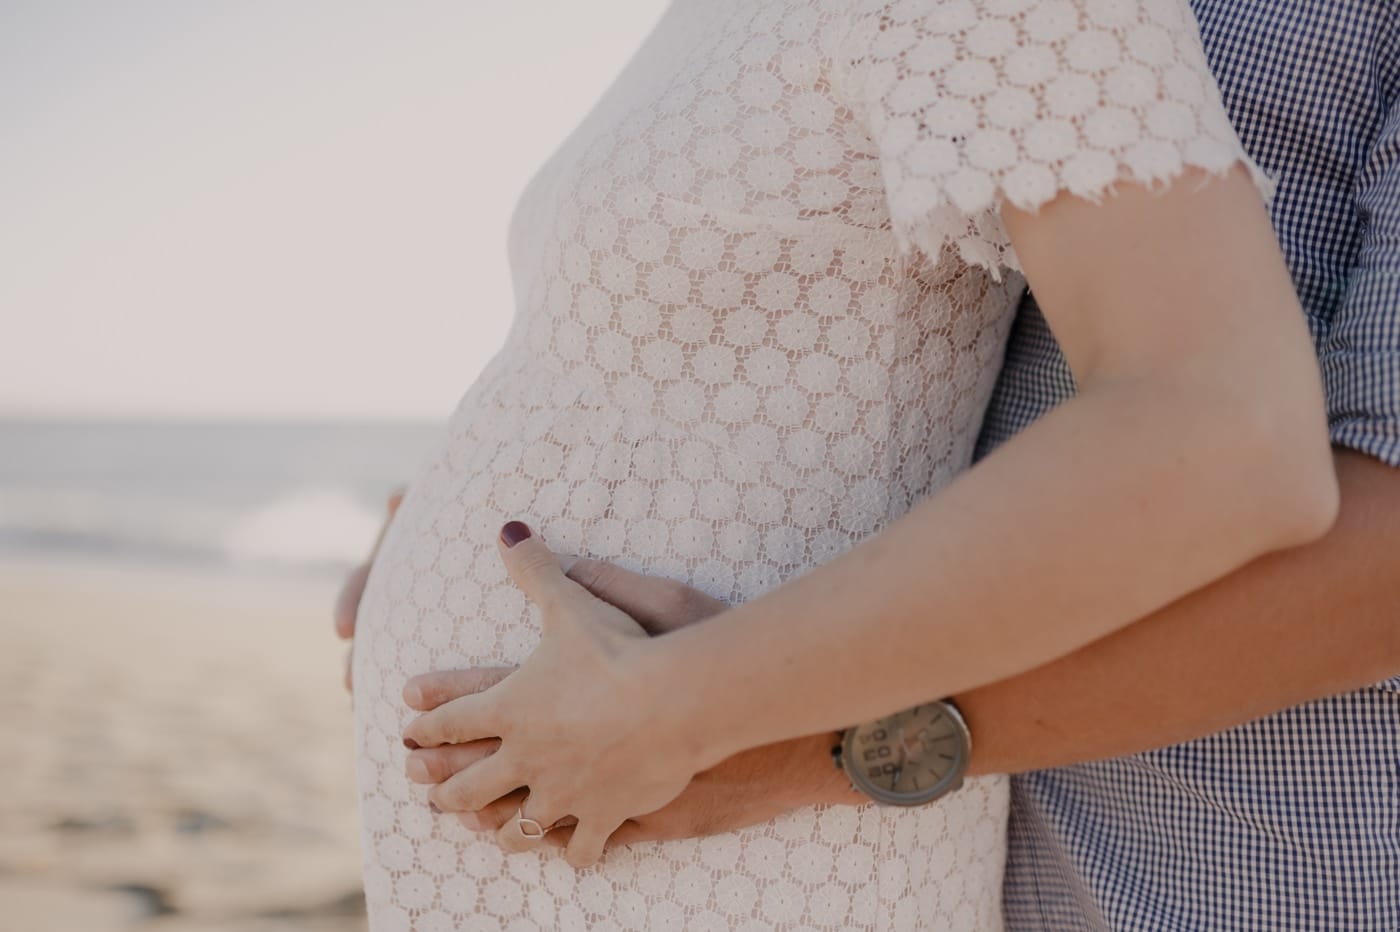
{"x": 1298, "y": 625}
{"x": 1292, "y": 627}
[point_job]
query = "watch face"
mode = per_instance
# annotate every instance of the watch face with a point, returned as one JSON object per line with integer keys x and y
{"x": 910, "y": 757}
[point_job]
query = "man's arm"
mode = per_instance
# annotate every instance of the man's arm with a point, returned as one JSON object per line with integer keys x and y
{"x": 1289, "y": 628}
{"x": 1292, "y": 627}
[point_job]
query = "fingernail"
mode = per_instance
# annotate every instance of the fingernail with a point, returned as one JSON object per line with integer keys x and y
{"x": 410, "y": 744}
{"x": 514, "y": 532}
{"x": 413, "y": 695}
{"x": 417, "y": 771}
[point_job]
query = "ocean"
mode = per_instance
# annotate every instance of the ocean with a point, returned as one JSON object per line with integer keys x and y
{"x": 296, "y": 497}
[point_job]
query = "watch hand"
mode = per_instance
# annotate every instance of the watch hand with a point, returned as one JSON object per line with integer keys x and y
{"x": 899, "y": 767}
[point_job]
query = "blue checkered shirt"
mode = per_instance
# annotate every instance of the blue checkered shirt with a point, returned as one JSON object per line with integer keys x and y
{"x": 1293, "y": 821}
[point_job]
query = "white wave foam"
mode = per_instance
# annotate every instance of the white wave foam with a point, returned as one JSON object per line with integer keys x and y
{"x": 310, "y": 526}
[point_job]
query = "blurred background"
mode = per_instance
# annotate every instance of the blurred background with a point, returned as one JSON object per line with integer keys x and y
{"x": 251, "y": 255}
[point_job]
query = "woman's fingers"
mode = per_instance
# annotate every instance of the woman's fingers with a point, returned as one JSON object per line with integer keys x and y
{"x": 435, "y": 765}
{"x": 495, "y": 816}
{"x": 478, "y": 786}
{"x": 505, "y": 809}
{"x": 467, "y": 718}
{"x": 492, "y": 817}
{"x": 587, "y": 842}
{"x": 511, "y": 837}
{"x": 431, "y": 690}
{"x": 535, "y": 568}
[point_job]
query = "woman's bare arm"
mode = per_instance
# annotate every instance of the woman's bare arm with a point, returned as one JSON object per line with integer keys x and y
{"x": 1292, "y": 627}
{"x": 1197, "y": 442}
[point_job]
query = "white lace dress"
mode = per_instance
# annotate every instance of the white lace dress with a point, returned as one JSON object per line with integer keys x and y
{"x": 762, "y": 293}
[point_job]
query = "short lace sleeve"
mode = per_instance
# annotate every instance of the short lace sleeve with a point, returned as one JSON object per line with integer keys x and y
{"x": 975, "y": 103}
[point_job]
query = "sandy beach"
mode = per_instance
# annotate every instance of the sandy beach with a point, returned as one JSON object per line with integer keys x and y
{"x": 177, "y": 753}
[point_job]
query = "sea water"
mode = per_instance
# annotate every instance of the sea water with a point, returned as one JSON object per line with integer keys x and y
{"x": 282, "y": 496}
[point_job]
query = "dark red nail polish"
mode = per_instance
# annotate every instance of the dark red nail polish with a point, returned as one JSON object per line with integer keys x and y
{"x": 514, "y": 532}
{"x": 410, "y": 744}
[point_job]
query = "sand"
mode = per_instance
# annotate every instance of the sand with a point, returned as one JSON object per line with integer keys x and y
{"x": 176, "y": 753}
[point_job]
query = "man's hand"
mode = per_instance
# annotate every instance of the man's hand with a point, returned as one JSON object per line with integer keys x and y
{"x": 753, "y": 786}
{"x": 347, "y": 604}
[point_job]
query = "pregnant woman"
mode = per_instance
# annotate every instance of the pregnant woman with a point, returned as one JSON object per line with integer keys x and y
{"x": 762, "y": 292}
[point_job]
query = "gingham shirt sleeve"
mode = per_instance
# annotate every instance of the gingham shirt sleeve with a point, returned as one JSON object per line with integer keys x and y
{"x": 1361, "y": 353}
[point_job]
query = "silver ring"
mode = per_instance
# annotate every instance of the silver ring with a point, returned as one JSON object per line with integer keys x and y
{"x": 528, "y": 827}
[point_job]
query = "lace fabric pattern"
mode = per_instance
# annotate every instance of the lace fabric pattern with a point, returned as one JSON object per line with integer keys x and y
{"x": 760, "y": 309}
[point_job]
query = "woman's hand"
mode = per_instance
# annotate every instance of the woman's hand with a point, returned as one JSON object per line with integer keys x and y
{"x": 347, "y": 603}
{"x": 749, "y": 788}
{"x": 584, "y": 723}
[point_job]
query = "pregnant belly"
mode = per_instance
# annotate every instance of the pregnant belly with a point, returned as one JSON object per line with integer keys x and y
{"x": 596, "y": 481}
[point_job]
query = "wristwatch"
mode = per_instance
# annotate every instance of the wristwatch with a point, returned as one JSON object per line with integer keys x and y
{"x": 909, "y": 758}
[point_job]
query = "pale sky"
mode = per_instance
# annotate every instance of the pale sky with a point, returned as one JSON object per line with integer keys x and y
{"x": 274, "y": 207}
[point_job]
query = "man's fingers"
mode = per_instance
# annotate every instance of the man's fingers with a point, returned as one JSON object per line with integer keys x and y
{"x": 395, "y": 500}
{"x": 478, "y": 786}
{"x": 391, "y": 508}
{"x": 436, "y": 765}
{"x": 561, "y": 836}
{"x": 657, "y": 604}
{"x": 347, "y": 603}
{"x": 431, "y": 690}
{"x": 468, "y": 718}
{"x": 630, "y": 832}
{"x": 534, "y": 567}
